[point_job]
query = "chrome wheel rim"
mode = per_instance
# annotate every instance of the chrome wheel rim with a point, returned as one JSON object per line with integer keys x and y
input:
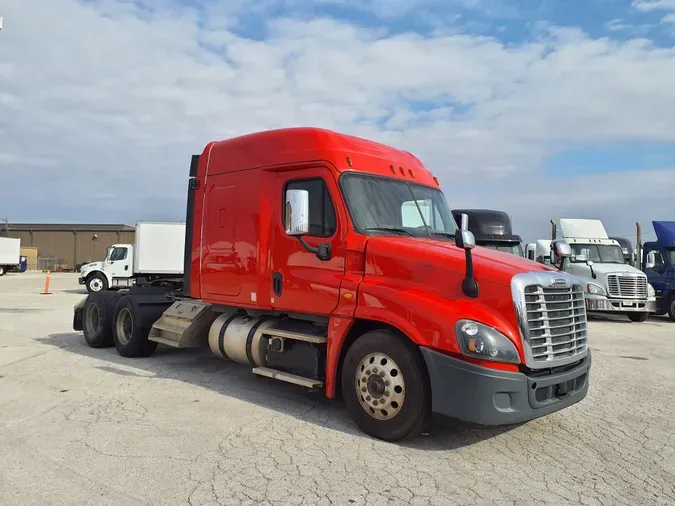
{"x": 125, "y": 326}
{"x": 380, "y": 387}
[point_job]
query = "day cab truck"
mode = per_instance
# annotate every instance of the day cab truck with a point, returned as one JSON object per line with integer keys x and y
{"x": 304, "y": 263}
{"x": 491, "y": 229}
{"x": 156, "y": 257}
{"x": 658, "y": 263}
{"x": 611, "y": 285}
{"x": 10, "y": 255}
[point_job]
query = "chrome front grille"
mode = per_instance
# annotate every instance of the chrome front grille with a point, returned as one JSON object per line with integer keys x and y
{"x": 552, "y": 318}
{"x": 633, "y": 286}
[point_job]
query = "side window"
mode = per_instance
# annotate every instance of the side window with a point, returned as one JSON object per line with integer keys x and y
{"x": 118, "y": 254}
{"x": 322, "y": 221}
{"x": 656, "y": 257}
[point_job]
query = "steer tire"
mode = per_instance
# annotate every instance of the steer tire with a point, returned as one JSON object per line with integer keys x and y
{"x": 638, "y": 317}
{"x": 2, "y": 270}
{"x": 414, "y": 409}
{"x": 97, "y": 319}
{"x": 130, "y": 331}
{"x": 96, "y": 282}
{"x": 671, "y": 308}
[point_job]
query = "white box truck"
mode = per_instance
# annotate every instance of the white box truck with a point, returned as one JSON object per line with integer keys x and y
{"x": 156, "y": 258}
{"x": 611, "y": 285}
{"x": 10, "y": 254}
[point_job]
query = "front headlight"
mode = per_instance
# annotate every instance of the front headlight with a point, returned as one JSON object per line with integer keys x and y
{"x": 650, "y": 290}
{"x": 481, "y": 341}
{"x": 594, "y": 289}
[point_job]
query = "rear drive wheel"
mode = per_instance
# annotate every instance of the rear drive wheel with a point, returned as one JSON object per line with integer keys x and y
{"x": 637, "y": 317}
{"x": 130, "y": 332}
{"x": 385, "y": 386}
{"x": 671, "y": 308}
{"x": 97, "y": 318}
{"x": 97, "y": 283}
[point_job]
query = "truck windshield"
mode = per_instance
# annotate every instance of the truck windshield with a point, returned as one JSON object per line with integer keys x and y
{"x": 602, "y": 253}
{"x": 514, "y": 249}
{"x": 670, "y": 253}
{"x": 391, "y": 206}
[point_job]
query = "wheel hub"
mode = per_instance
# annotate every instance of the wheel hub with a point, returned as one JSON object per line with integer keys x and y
{"x": 125, "y": 326}
{"x": 380, "y": 386}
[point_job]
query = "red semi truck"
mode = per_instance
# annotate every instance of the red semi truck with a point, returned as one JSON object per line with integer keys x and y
{"x": 334, "y": 263}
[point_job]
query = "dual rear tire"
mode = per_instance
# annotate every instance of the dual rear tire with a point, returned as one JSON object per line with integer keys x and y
{"x": 110, "y": 319}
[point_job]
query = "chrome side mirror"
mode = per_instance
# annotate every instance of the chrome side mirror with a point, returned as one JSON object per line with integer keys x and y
{"x": 589, "y": 263}
{"x": 296, "y": 213}
{"x": 560, "y": 249}
{"x": 465, "y": 239}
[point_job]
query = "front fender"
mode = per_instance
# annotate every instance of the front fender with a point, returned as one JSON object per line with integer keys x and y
{"x": 428, "y": 318}
{"x": 107, "y": 275}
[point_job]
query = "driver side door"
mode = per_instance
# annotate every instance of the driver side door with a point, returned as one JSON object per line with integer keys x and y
{"x": 300, "y": 281}
{"x": 656, "y": 274}
{"x": 118, "y": 264}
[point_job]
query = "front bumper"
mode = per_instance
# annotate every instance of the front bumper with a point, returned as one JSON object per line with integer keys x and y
{"x": 485, "y": 396}
{"x": 621, "y": 305}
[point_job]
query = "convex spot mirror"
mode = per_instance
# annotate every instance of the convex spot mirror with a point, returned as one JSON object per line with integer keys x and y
{"x": 296, "y": 215}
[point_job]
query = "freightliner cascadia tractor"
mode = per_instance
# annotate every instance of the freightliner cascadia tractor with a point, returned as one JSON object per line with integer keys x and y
{"x": 305, "y": 261}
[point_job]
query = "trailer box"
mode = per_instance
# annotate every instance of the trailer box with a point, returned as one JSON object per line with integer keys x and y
{"x": 10, "y": 253}
{"x": 159, "y": 248}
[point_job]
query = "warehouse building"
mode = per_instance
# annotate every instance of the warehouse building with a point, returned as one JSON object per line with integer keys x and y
{"x": 67, "y": 246}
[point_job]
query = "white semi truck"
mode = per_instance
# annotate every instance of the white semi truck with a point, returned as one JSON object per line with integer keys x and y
{"x": 156, "y": 258}
{"x": 611, "y": 285}
{"x": 10, "y": 254}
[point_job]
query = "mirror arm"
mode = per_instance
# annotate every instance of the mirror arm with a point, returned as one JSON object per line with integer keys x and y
{"x": 469, "y": 285}
{"x": 323, "y": 251}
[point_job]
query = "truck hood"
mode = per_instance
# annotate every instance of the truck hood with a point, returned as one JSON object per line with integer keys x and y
{"x": 496, "y": 266}
{"x": 584, "y": 271}
{"x": 665, "y": 232}
{"x": 91, "y": 266}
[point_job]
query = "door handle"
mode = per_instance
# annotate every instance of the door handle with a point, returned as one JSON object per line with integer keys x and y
{"x": 277, "y": 281}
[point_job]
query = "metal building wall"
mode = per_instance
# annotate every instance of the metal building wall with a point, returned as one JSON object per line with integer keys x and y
{"x": 65, "y": 249}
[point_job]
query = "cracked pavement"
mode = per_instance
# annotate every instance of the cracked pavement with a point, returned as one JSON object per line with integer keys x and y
{"x": 80, "y": 426}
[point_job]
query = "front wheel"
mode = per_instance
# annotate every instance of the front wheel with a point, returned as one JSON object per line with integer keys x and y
{"x": 671, "y": 308}
{"x": 96, "y": 283}
{"x": 2, "y": 270}
{"x": 385, "y": 386}
{"x": 637, "y": 317}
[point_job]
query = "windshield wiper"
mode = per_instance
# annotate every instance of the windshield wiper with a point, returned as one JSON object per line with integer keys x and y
{"x": 442, "y": 234}
{"x": 391, "y": 229}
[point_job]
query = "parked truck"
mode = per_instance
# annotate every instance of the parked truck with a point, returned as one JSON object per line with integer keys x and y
{"x": 539, "y": 251}
{"x": 303, "y": 262}
{"x": 492, "y": 229}
{"x": 658, "y": 263}
{"x": 156, "y": 257}
{"x": 10, "y": 255}
{"x": 611, "y": 285}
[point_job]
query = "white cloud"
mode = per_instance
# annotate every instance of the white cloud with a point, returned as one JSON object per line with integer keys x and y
{"x": 653, "y": 5}
{"x": 668, "y": 18}
{"x": 102, "y": 104}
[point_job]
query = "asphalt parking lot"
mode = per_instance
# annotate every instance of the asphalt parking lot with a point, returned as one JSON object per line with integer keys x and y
{"x": 84, "y": 426}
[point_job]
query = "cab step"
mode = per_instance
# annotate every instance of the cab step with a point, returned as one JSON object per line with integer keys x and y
{"x": 287, "y": 377}
{"x": 289, "y": 334}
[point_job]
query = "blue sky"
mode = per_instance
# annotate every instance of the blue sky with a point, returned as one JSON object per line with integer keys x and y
{"x": 545, "y": 109}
